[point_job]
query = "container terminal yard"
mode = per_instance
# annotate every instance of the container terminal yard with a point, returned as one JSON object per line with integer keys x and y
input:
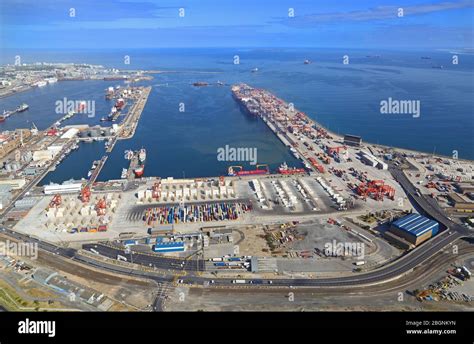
{"x": 357, "y": 215}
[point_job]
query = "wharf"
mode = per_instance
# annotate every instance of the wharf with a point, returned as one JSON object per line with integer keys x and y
{"x": 130, "y": 123}
{"x": 97, "y": 170}
{"x": 134, "y": 163}
{"x": 278, "y": 128}
{"x": 276, "y": 131}
{"x": 112, "y": 142}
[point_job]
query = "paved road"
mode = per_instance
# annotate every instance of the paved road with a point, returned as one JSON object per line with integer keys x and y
{"x": 429, "y": 207}
{"x": 148, "y": 260}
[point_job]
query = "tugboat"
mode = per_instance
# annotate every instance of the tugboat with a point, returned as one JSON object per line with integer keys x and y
{"x": 307, "y": 62}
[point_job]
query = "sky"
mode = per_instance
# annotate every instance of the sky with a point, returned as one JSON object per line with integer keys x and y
{"x": 108, "y": 24}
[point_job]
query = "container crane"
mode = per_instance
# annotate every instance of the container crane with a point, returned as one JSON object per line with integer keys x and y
{"x": 85, "y": 194}
{"x": 156, "y": 190}
{"x": 101, "y": 206}
{"x": 56, "y": 201}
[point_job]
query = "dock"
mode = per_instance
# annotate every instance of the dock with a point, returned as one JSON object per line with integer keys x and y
{"x": 134, "y": 163}
{"x": 278, "y": 115}
{"x": 130, "y": 123}
{"x": 97, "y": 170}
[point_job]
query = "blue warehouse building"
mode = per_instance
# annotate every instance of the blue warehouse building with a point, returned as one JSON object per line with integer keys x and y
{"x": 415, "y": 228}
{"x": 164, "y": 247}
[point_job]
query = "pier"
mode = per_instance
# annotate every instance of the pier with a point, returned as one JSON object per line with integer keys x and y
{"x": 97, "y": 170}
{"x": 130, "y": 123}
{"x": 284, "y": 121}
{"x": 134, "y": 163}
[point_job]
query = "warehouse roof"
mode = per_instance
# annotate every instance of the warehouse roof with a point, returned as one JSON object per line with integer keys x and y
{"x": 415, "y": 224}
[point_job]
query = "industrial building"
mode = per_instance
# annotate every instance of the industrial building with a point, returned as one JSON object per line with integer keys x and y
{"x": 371, "y": 160}
{"x": 352, "y": 140}
{"x": 465, "y": 188}
{"x": 15, "y": 184}
{"x": 70, "y": 133}
{"x": 460, "y": 203}
{"x": 173, "y": 246}
{"x": 11, "y": 140}
{"x": 414, "y": 228}
{"x": 63, "y": 188}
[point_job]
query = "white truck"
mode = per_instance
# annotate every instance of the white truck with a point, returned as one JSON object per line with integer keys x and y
{"x": 122, "y": 258}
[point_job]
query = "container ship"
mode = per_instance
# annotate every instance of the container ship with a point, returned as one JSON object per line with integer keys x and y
{"x": 234, "y": 171}
{"x": 284, "y": 169}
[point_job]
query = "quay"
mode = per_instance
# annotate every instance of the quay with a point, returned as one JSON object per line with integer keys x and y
{"x": 97, "y": 170}
{"x": 134, "y": 163}
{"x": 285, "y": 122}
{"x": 130, "y": 123}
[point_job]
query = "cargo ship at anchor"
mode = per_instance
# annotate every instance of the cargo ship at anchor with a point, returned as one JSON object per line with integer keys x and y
{"x": 237, "y": 171}
{"x": 284, "y": 169}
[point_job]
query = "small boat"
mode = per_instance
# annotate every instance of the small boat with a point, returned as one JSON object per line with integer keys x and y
{"x": 255, "y": 70}
{"x": 142, "y": 155}
{"x": 124, "y": 173}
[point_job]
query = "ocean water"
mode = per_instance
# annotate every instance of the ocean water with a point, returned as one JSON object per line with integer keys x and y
{"x": 344, "y": 98}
